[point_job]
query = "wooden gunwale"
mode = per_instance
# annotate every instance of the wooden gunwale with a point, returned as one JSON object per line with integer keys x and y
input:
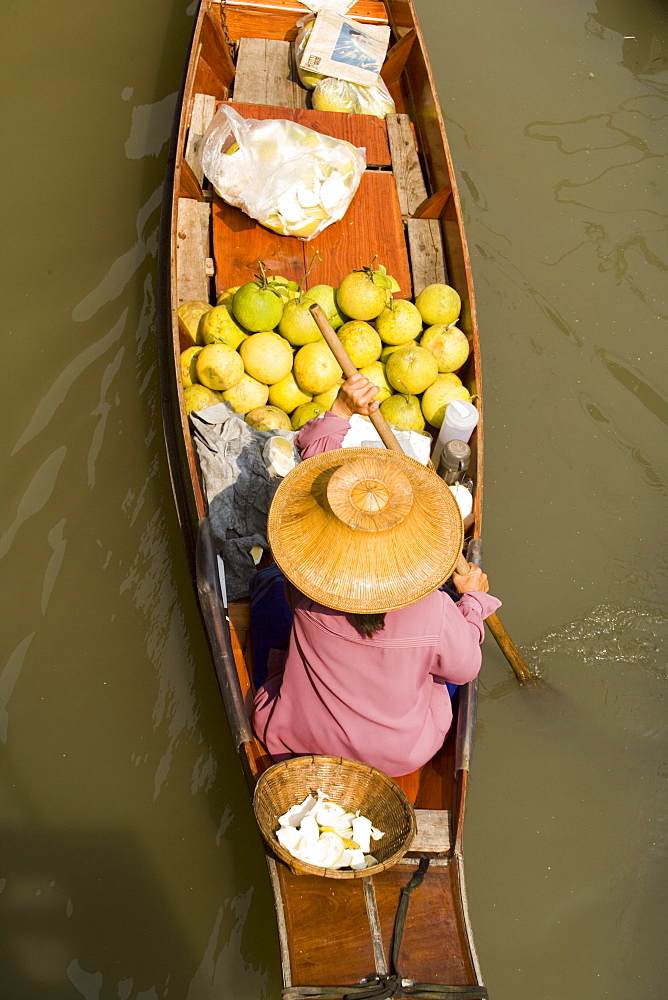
{"x": 443, "y": 782}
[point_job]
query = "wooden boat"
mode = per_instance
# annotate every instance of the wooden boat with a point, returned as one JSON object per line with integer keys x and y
{"x": 407, "y": 212}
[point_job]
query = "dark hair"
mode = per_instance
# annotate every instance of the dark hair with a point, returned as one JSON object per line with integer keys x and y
{"x": 368, "y": 625}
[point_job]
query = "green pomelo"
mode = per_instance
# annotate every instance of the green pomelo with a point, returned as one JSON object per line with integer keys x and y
{"x": 188, "y": 364}
{"x": 266, "y": 357}
{"x": 411, "y": 369}
{"x": 399, "y": 323}
{"x": 287, "y": 395}
{"x": 285, "y": 288}
{"x": 439, "y": 303}
{"x": 315, "y": 368}
{"x": 257, "y": 308}
{"x": 304, "y": 413}
{"x": 219, "y": 367}
{"x": 297, "y": 324}
{"x": 448, "y": 344}
{"x": 218, "y": 326}
{"x": 359, "y": 297}
{"x": 198, "y": 397}
{"x": 403, "y": 411}
{"x": 376, "y": 374}
{"x": 391, "y": 348}
{"x": 326, "y": 398}
{"x": 246, "y": 395}
{"x": 189, "y": 314}
{"x": 268, "y": 418}
{"x": 226, "y": 296}
{"x": 361, "y": 342}
{"x": 436, "y": 398}
{"x": 325, "y": 296}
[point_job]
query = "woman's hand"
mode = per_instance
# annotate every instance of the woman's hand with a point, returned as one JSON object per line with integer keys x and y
{"x": 475, "y": 579}
{"x": 355, "y": 396}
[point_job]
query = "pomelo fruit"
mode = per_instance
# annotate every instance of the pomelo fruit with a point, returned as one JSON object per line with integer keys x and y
{"x": 218, "y": 326}
{"x": 285, "y": 288}
{"x": 226, "y": 296}
{"x": 198, "y": 397}
{"x": 326, "y": 398}
{"x": 411, "y": 369}
{"x": 375, "y": 373}
{"x": 315, "y": 368}
{"x": 304, "y": 413}
{"x": 436, "y": 398}
{"x": 332, "y": 94}
{"x": 268, "y": 418}
{"x": 403, "y": 410}
{"x": 267, "y": 357}
{"x": 448, "y": 344}
{"x": 256, "y": 306}
{"x": 247, "y": 394}
{"x": 361, "y": 342}
{"x": 287, "y": 395}
{"x": 360, "y": 296}
{"x": 325, "y": 296}
{"x": 189, "y": 314}
{"x": 399, "y": 322}
{"x": 188, "y": 364}
{"x": 219, "y": 367}
{"x": 297, "y": 324}
{"x": 391, "y": 348}
{"x": 438, "y": 303}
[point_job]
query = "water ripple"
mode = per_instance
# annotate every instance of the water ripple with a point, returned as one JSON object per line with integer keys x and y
{"x": 36, "y": 496}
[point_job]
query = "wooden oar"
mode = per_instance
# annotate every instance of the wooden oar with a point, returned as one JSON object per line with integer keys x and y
{"x": 506, "y": 644}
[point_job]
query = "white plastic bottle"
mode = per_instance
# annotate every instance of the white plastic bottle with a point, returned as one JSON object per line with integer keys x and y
{"x": 459, "y": 422}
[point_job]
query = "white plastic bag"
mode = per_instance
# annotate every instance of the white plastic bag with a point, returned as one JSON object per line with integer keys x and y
{"x": 289, "y": 178}
{"x": 332, "y": 94}
{"x": 307, "y": 76}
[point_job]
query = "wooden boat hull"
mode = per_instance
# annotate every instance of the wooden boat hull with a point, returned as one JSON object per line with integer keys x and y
{"x": 406, "y": 210}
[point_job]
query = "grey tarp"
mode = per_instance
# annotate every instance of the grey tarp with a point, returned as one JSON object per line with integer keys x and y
{"x": 238, "y": 488}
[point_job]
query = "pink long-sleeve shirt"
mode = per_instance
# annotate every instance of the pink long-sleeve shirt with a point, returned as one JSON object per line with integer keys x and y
{"x": 381, "y": 700}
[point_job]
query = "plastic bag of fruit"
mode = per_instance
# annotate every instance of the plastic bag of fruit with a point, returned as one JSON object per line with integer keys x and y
{"x": 307, "y": 76}
{"x": 332, "y": 94}
{"x": 289, "y": 178}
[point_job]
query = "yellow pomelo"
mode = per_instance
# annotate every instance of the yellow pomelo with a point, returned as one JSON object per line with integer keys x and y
{"x": 218, "y": 326}
{"x": 359, "y": 297}
{"x": 376, "y": 374}
{"x": 297, "y": 324}
{"x": 189, "y": 314}
{"x": 219, "y": 366}
{"x": 436, "y": 398}
{"x": 411, "y": 369}
{"x": 189, "y": 366}
{"x": 285, "y": 288}
{"x": 391, "y": 348}
{"x": 327, "y": 397}
{"x": 361, "y": 342}
{"x": 267, "y": 357}
{"x": 325, "y": 296}
{"x": 448, "y": 344}
{"x": 225, "y": 297}
{"x": 438, "y": 303}
{"x": 268, "y": 418}
{"x": 304, "y": 413}
{"x": 394, "y": 287}
{"x": 287, "y": 395}
{"x": 399, "y": 323}
{"x": 198, "y": 397}
{"x": 315, "y": 368}
{"x": 246, "y": 395}
{"x": 332, "y": 94}
{"x": 403, "y": 411}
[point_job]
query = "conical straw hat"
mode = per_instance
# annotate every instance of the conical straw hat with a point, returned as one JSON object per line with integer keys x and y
{"x": 364, "y": 530}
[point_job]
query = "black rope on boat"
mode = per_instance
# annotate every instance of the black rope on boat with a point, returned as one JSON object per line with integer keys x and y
{"x": 383, "y": 987}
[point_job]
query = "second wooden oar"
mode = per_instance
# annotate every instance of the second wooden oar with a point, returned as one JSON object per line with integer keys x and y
{"x": 506, "y": 644}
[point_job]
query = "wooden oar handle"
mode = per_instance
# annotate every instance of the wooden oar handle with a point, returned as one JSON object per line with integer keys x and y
{"x": 348, "y": 369}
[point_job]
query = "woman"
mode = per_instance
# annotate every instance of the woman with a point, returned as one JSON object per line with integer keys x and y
{"x": 367, "y": 666}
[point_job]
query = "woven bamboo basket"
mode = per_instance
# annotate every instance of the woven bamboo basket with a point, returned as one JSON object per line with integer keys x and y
{"x": 352, "y": 785}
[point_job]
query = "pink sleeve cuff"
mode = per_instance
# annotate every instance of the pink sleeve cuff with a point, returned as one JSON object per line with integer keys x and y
{"x": 325, "y": 433}
{"x": 476, "y": 606}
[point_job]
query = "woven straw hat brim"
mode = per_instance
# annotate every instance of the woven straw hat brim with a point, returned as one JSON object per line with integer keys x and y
{"x": 364, "y": 571}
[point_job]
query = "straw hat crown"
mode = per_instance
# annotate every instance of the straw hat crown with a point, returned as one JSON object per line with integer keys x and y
{"x": 365, "y": 530}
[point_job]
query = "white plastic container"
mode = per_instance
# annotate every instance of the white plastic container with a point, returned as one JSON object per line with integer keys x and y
{"x": 459, "y": 422}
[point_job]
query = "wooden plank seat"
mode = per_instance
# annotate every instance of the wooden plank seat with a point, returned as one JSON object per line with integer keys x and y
{"x": 267, "y": 74}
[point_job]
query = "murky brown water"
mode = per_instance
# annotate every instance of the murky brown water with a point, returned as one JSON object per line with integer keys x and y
{"x": 127, "y": 867}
